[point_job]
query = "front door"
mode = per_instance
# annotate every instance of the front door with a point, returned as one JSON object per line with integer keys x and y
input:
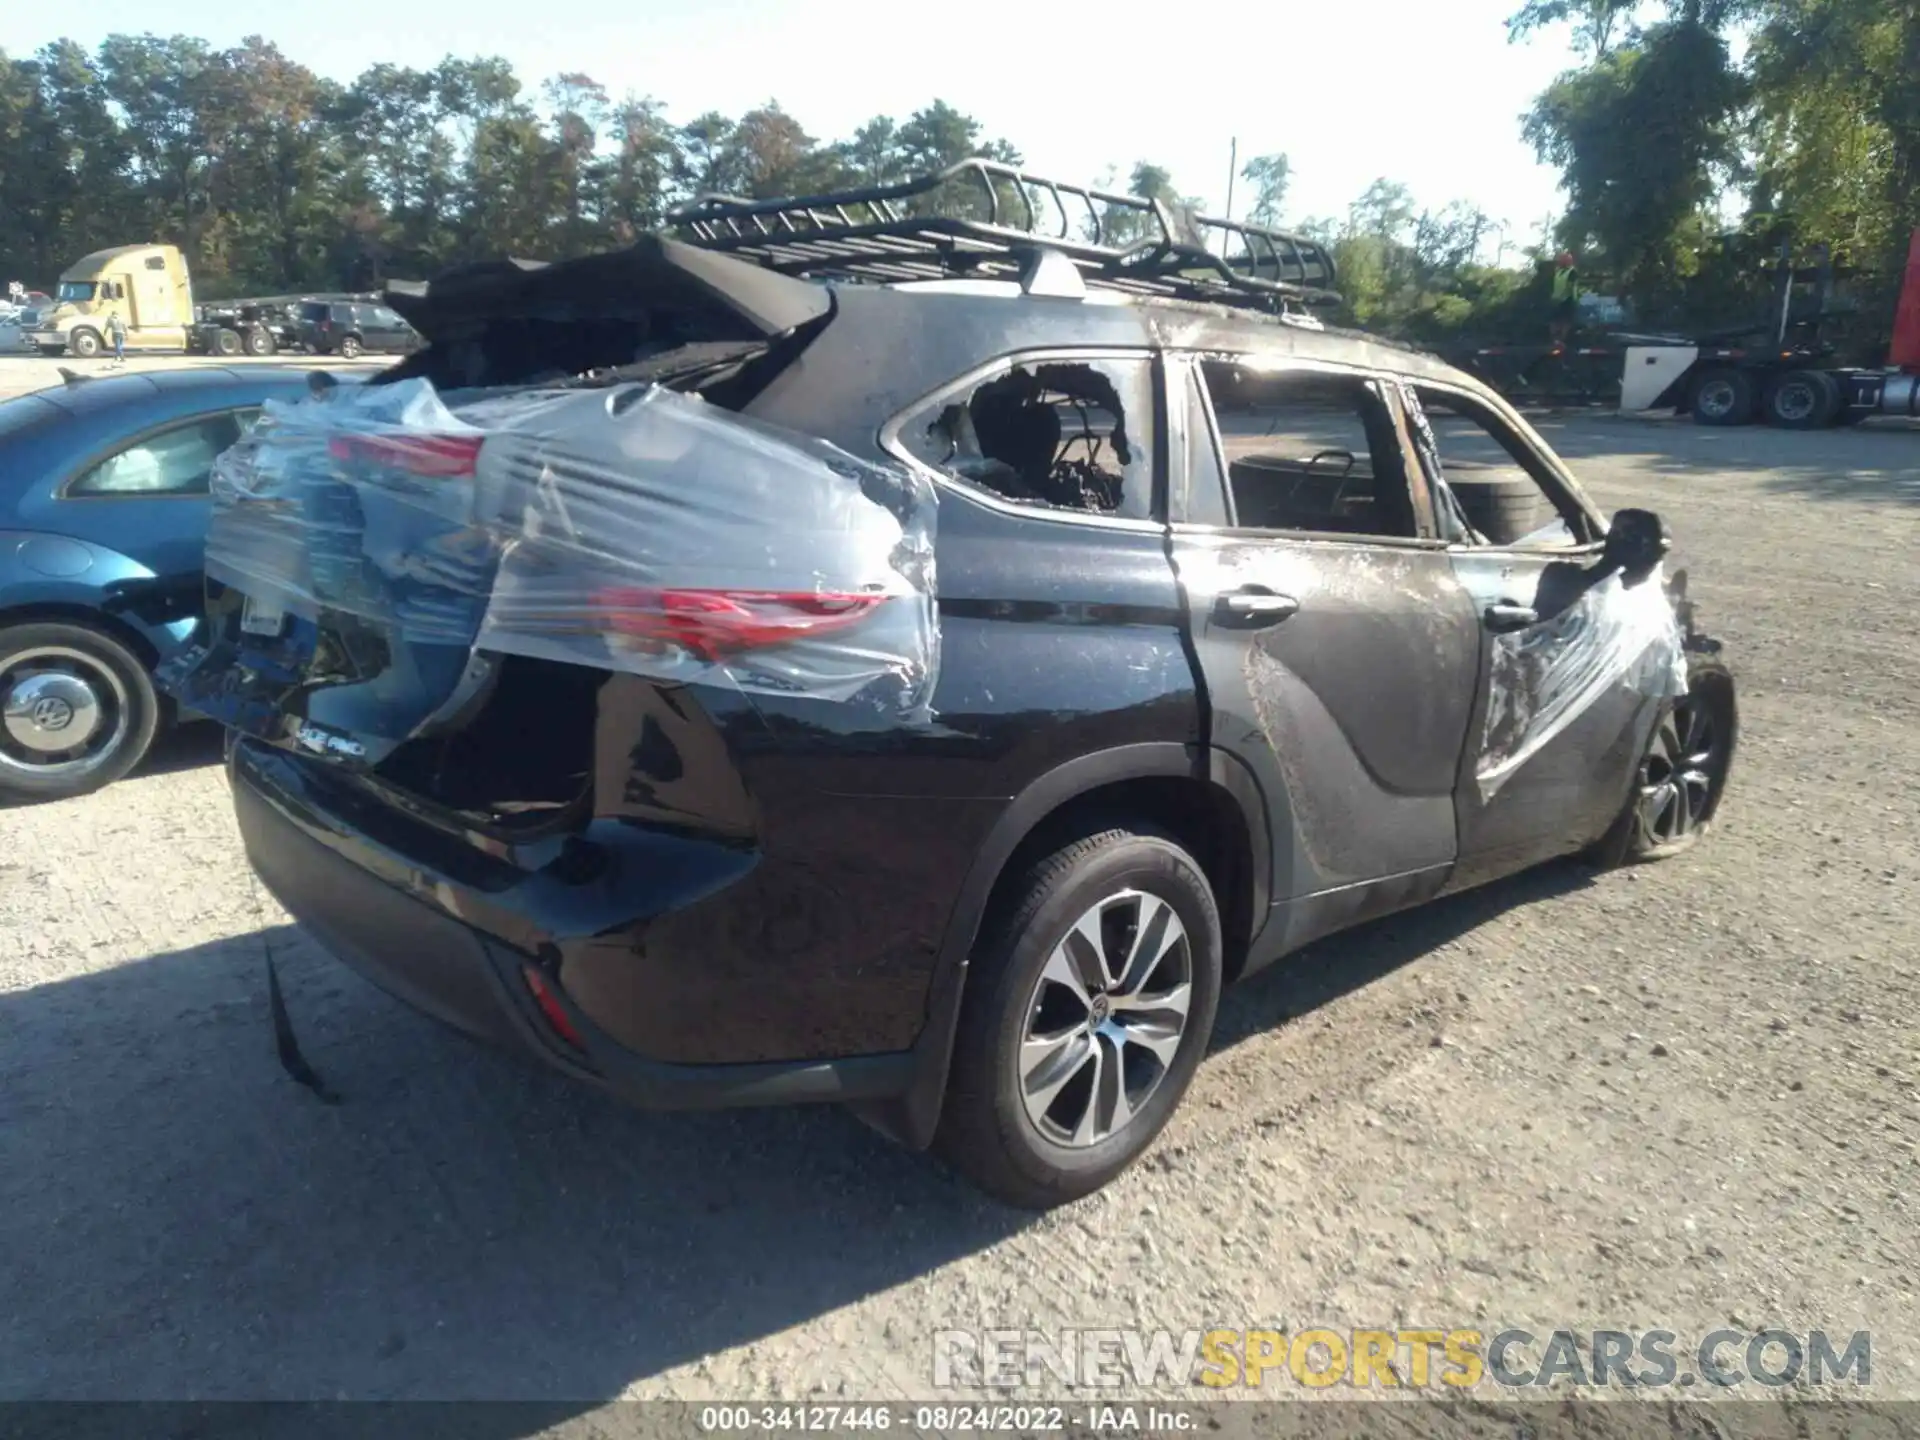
{"x": 1339, "y": 649}
{"x": 1549, "y": 764}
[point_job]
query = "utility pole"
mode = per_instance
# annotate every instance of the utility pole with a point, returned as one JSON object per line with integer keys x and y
{"x": 1233, "y": 169}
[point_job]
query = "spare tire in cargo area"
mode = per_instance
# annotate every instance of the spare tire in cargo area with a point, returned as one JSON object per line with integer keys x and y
{"x": 1502, "y": 508}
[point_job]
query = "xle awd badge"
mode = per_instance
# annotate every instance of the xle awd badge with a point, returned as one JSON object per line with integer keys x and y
{"x": 325, "y": 742}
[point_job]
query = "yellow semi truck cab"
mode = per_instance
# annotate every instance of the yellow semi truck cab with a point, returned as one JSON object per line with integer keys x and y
{"x": 146, "y": 285}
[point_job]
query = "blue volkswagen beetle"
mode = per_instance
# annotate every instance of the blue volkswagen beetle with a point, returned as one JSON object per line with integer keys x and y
{"x": 103, "y": 524}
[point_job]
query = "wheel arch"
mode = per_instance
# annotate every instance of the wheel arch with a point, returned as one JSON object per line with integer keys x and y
{"x": 66, "y": 612}
{"x": 1200, "y": 796}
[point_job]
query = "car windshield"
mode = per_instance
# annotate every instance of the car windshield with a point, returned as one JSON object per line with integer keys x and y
{"x": 77, "y": 289}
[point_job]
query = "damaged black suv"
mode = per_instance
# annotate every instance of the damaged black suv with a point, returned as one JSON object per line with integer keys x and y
{"x": 868, "y": 650}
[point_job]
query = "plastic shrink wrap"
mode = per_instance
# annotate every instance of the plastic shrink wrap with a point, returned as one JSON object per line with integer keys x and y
{"x": 627, "y": 528}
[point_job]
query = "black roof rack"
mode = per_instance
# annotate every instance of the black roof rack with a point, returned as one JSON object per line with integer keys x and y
{"x": 910, "y": 231}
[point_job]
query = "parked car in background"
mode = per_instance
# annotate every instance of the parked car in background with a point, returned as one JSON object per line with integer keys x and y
{"x": 103, "y": 519}
{"x": 348, "y": 328}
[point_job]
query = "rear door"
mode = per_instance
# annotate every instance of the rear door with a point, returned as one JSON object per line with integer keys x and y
{"x": 395, "y": 336}
{"x": 1521, "y": 553}
{"x": 147, "y": 496}
{"x": 378, "y": 326}
{"x": 1338, "y": 648}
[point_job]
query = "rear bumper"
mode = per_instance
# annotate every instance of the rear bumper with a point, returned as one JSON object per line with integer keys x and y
{"x": 399, "y": 925}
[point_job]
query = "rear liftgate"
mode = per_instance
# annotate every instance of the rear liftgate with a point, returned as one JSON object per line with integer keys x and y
{"x": 377, "y": 556}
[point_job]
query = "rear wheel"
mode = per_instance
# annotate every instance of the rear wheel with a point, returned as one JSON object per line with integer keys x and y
{"x": 259, "y": 342}
{"x": 1803, "y": 400}
{"x": 1683, "y": 773}
{"x": 227, "y": 342}
{"x": 1723, "y": 397}
{"x": 77, "y": 710}
{"x": 1087, "y": 1011}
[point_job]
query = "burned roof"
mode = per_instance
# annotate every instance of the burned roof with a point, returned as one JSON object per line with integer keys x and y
{"x": 661, "y": 276}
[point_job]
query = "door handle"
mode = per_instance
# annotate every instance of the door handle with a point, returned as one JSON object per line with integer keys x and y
{"x": 1258, "y": 607}
{"x": 1506, "y": 615}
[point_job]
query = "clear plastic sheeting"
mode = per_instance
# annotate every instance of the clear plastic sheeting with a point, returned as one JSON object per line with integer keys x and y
{"x": 1545, "y": 676}
{"x": 627, "y": 528}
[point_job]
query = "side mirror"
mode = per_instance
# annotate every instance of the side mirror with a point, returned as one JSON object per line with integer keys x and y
{"x": 1637, "y": 541}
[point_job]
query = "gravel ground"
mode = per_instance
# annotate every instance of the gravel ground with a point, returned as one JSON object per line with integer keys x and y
{"x": 1683, "y": 1096}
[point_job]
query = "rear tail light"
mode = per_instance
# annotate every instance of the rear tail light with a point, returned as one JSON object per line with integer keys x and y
{"x": 709, "y": 624}
{"x": 550, "y": 1008}
{"x": 432, "y": 456}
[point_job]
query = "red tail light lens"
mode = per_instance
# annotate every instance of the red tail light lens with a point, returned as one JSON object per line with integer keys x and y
{"x": 712, "y": 623}
{"x": 550, "y": 1008}
{"x": 432, "y": 456}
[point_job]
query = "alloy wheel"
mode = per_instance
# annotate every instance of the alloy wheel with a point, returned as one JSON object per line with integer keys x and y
{"x": 1105, "y": 1019}
{"x": 1678, "y": 777}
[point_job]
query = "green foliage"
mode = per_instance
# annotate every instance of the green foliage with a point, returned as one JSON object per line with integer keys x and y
{"x": 1818, "y": 129}
{"x": 272, "y": 178}
{"x": 1269, "y": 176}
{"x": 1838, "y": 134}
{"x": 1645, "y": 136}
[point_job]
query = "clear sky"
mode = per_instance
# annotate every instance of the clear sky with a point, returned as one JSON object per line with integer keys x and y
{"x": 1427, "y": 92}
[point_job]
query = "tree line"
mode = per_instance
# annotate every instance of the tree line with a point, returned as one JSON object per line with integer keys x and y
{"x": 1685, "y": 170}
{"x": 274, "y": 178}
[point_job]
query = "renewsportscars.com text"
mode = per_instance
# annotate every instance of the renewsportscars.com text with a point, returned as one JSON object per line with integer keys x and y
{"x": 1456, "y": 1359}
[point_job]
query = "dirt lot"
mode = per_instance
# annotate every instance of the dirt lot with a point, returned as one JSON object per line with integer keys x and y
{"x": 1684, "y": 1097}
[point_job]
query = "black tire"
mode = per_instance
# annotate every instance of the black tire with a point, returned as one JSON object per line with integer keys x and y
{"x": 227, "y": 342}
{"x": 129, "y": 709}
{"x": 349, "y": 348}
{"x": 1803, "y": 400}
{"x": 1835, "y": 405}
{"x": 84, "y": 343}
{"x": 1722, "y": 396}
{"x": 1502, "y": 510}
{"x": 986, "y": 1131}
{"x": 259, "y": 342}
{"x": 1644, "y": 830}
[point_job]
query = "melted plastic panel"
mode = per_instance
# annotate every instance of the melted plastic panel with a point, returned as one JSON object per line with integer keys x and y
{"x": 631, "y": 529}
{"x": 1542, "y": 678}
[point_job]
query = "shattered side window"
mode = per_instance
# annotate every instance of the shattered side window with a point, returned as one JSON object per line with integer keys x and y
{"x": 1487, "y": 473}
{"x": 1309, "y": 451}
{"x": 1055, "y": 434}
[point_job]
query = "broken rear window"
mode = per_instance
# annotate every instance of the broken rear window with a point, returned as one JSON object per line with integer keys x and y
{"x": 1054, "y": 434}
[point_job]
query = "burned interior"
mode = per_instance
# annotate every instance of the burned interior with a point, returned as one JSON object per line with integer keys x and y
{"x": 1068, "y": 435}
{"x": 1309, "y": 450}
